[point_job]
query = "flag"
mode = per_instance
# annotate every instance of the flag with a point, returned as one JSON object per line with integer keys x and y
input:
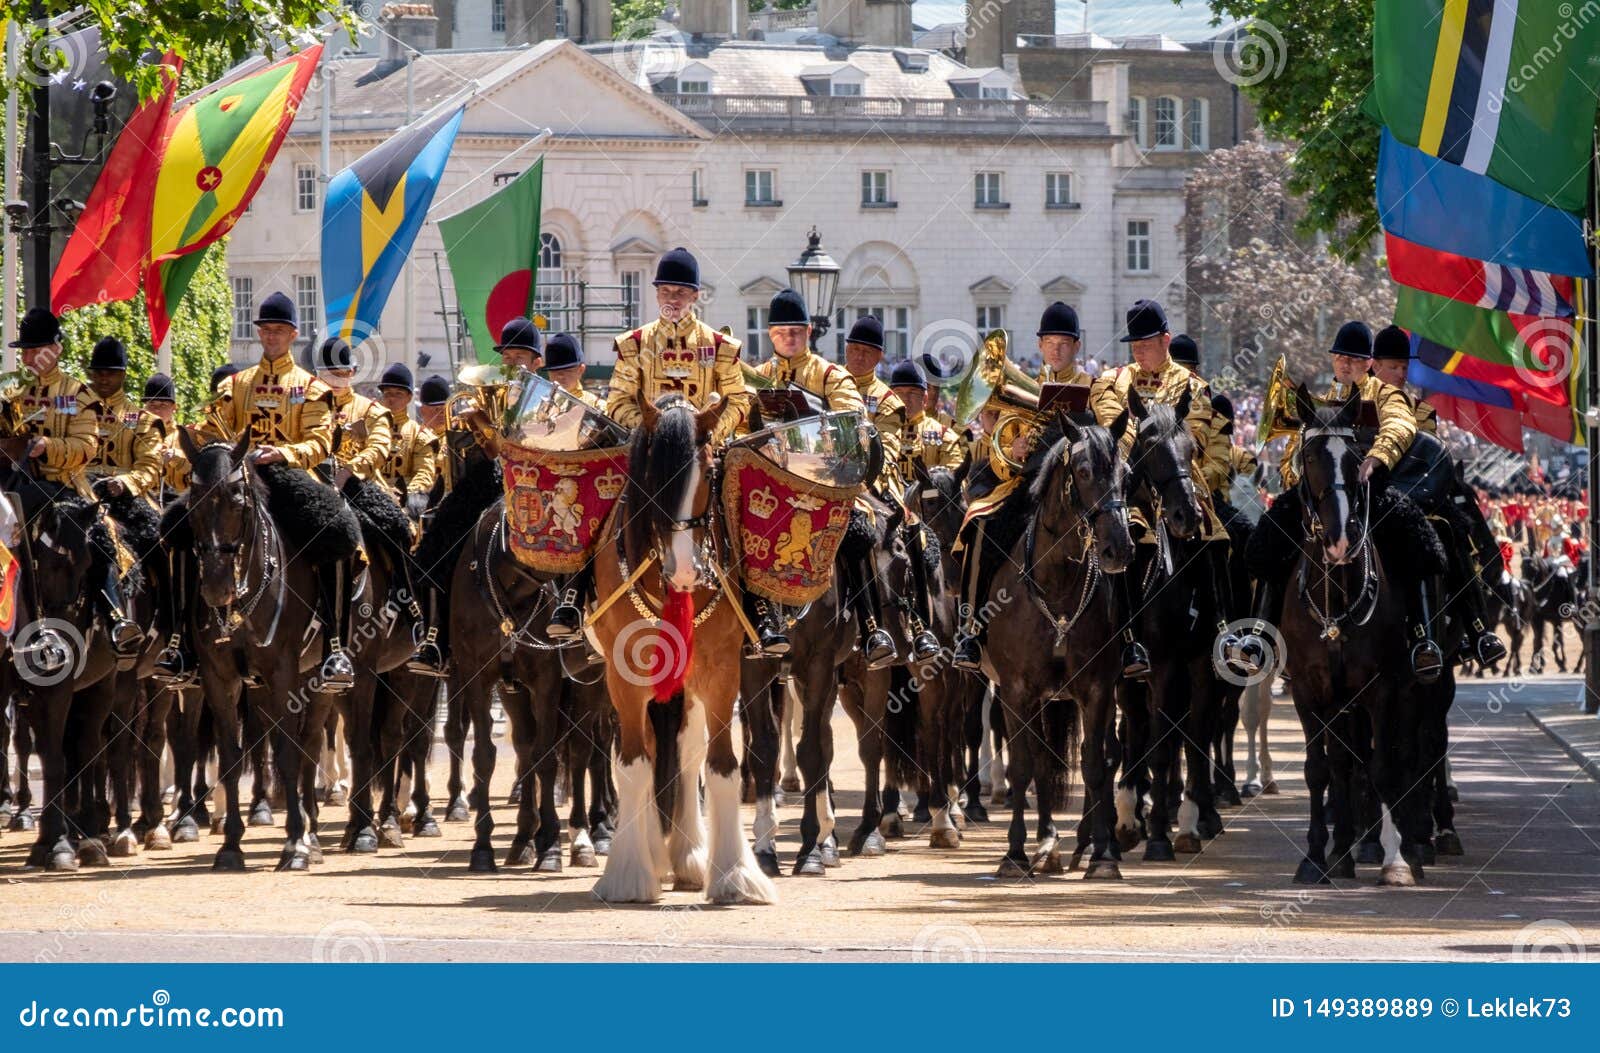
{"x": 371, "y": 216}
{"x": 216, "y": 153}
{"x": 1525, "y": 342}
{"x": 1496, "y": 424}
{"x": 1515, "y": 290}
{"x": 104, "y": 259}
{"x": 1428, "y": 201}
{"x": 1543, "y": 402}
{"x": 493, "y": 248}
{"x": 1502, "y": 88}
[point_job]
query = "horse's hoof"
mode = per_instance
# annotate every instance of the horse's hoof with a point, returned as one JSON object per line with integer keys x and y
{"x": 1369, "y": 853}
{"x": 293, "y": 862}
{"x": 457, "y": 812}
{"x": 520, "y": 855}
{"x": 829, "y": 850}
{"x": 767, "y": 860}
{"x": 1209, "y": 824}
{"x": 407, "y": 821}
{"x": 550, "y": 862}
{"x": 365, "y": 843}
{"x": 389, "y": 835}
{"x": 1448, "y": 844}
{"x": 218, "y": 827}
{"x": 424, "y": 827}
{"x": 874, "y": 845}
{"x": 1047, "y": 862}
{"x": 22, "y": 822}
{"x": 1186, "y": 843}
{"x": 1128, "y": 838}
{"x": 92, "y": 853}
{"x": 158, "y": 839}
{"x": 602, "y": 846}
{"x": 1271, "y": 788}
{"x": 810, "y": 865}
{"x": 1011, "y": 867}
{"x": 1397, "y": 875}
{"x": 892, "y": 826}
{"x": 999, "y": 798}
{"x": 1103, "y": 870}
{"x": 62, "y": 860}
{"x": 313, "y": 848}
{"x": 1159, "y": 852}
{"x": 977, "y": 813}
{"x": 261, "y": 814}
{"x": 944, "y": 837}
{"x": 790, "y": 784}
{"x": 1251, "y": 789}
{"x": 1311, "y": 873}
{"x": 124, "y": 844}
{"x": 481, "y": 861}
{"x": 1343, "y": 867}
{"x": 584, "y": 856}
{"x": 229, "y": 860}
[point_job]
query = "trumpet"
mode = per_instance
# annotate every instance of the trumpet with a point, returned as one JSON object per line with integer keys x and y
{"x": 1277, "y": 408}
{"x": 991, "y": 381}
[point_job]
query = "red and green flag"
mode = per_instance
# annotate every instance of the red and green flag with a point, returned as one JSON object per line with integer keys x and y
{"x": 493, "y": 249}
{"x": 1529, "y": 343}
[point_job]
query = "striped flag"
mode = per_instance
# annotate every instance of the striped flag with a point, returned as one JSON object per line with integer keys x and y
{"x": 1503, "y": 88}
{"x": 1524, "y": 342}
{"x": 1515, "y": 290}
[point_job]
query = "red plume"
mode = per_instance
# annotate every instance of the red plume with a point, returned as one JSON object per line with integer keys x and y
{"x": 675, "y": 645}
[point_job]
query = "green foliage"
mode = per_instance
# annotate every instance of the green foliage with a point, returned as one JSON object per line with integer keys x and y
{"x": 1315, "y": 105}
{"x": 199, "y": 338}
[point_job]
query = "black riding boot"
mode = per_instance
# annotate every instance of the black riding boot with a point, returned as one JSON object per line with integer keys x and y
{"x": 1222, "y": 593}
{"x": 969, "y": 631}
{"x": 1252, "y": 652}
{"x": 767, "y": 619}
{"x": 176, "y": 663}
{"x": 126, "y": 636}
{"x": 877, "y": 646}
{"x": 428, "y": 659}
{"x": 1486, "y": 644}
{"x": 1427, "y": 661}
{"x": 337, "y": 673}
{"x": 924, "y": 645}
{"x": 1135, "y": 659}
{"x": 567, "y": 619}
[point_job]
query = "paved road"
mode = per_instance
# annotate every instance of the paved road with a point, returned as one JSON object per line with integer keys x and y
{"x": 1530, "y": 878}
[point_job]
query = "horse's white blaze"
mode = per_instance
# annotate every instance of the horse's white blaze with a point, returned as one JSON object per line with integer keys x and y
{"x": 681, "y": 555}
{"x": 765, "y": 827}
{"x": 1341, "y": 502}
{"x": 1389, "y": 838}
{"x": 735, "y": 878}
{"x": 1189, "y": 818}
{"x": 1125, "y": 807}
{"x": 687, "y": 843}
{"x": 631, "y": 875}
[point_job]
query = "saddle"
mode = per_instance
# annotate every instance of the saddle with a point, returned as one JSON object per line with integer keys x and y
{"x": 1425, "y": 473}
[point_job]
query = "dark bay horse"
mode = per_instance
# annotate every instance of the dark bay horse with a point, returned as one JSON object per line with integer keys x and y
{"x": 1553, "y": 597}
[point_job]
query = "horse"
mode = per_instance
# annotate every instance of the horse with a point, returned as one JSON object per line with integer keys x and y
{"x": 1052, "y": 648}
{"x": 1255, "y": 713}
{"x": 254, "y": 635}
{"x": 1180, "y": 606}
{"x": 1511, "y": 603}
{"x": 1345, "y": 630}
{"x": 663, "y": 742}
{"x": 1554, "y": 598}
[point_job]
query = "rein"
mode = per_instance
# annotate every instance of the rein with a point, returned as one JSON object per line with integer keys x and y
{"x": 263, "y": 535}
{"x": 1083, "y": 527}
{"x": 1365, "y": 603}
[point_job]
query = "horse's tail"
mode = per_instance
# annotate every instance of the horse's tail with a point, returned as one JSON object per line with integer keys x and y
{"x": 666, "y": 718}
{"x": 1062, "y": 732}
{"x": 900, "y": 731}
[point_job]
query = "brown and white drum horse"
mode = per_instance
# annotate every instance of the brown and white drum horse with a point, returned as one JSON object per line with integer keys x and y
{"x": 673, "y": 679}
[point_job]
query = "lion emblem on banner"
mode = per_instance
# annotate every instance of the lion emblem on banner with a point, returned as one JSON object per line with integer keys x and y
{"x": 556, "y": 501}
{"x": 786, "y": 529}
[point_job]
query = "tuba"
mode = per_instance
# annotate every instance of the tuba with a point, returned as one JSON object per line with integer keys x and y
{"x": 1277, "y": 408}
{"x": 991, "y": 381}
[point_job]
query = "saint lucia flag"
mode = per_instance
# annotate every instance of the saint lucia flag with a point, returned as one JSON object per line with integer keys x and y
{"x": 371, "y": 216}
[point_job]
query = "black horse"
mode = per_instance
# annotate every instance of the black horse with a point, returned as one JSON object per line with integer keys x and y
{"x": 1554, "y": 598}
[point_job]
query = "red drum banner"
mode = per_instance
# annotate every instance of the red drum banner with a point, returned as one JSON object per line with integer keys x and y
{"x": 784, "y": 529}
{"x": 556, "y": 502}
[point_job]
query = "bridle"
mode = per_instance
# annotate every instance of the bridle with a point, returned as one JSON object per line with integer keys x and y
{"x": 262, "y": 539}
{"x": 1154, "y": 492}
{"x": 1110, "y": 504}
{"x": 1360, "y": 610}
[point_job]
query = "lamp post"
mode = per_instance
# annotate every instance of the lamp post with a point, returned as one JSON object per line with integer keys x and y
{"x": 816, "y": 278}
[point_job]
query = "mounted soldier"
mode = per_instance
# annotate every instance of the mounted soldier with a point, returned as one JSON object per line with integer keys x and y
{"x": 161, "y": 402}
{"x": 563, "y": 363}
{"x": 413, "y": 449}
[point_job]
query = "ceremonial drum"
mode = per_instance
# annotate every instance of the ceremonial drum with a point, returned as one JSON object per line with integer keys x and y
{"x": 787, "y": 493}
{"x": 564, "y": 467}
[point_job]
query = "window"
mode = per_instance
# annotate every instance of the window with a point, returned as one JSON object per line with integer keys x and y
{"x": 631, "y": 284}
{"x": 994, "y": 93}
{"x": 1058, "y": 190}
{"x": 755, "y": 333}
{"x": 308, "y": 303}
{"x": 1135, "y": 120}
{"x": 244, "y": 304}
{"x": 1139, "y": 246}
{"x": 1165, "y": 123}
{"x": 896, "y": 329}
{"x": 694, "y": 87}
{"x": 697, "y": 188}
{"x": 497, "y": 16}
{"x": 561, "y": 20}
{"x": 305, "y": 188}
{"x": 875, "y": 188}
{"x": 758, "y": 187}
{"x": 991, "y": 317}
{"x": 1195, "y": 124}
{"x": 986, "y": 189}
{"x": 837, "y": 87}
{"x": 555, "y": 282}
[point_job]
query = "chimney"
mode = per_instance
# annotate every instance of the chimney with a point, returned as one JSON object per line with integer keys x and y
{"x": 406, "y": 28}
{"x": 709, "y": 18}
{"x": 886, "y": 23}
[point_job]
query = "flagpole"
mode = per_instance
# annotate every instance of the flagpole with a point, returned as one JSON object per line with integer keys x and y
{"x": 1591, "y": 301}
{"x": 9, "y": 280}
{"x": 535, "y": 141}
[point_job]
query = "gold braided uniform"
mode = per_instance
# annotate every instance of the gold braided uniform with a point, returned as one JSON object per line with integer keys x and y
{"x": 1427, "y": 416}
{"x": 888, "y": 415}
{"x": 413, "y": 459}
{"x": 366, "y": 432}
{"x": 280, "y": 405}
{"x": 688, "y": 358}
{"x": 61, "y": 409}
{"x": 818, "y": 377}
{"x": 130, "y": 445}
{"x": 174, "y": 465}
{"x": 1397, "y": 424}
{"x": 931, "y": 443}
{"x": 1008, "y": 426}
{"x": 1108, "y": 397}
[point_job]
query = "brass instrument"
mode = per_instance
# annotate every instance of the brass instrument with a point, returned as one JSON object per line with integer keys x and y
{"x": 1277, "y": 408}
{"x": 991, "y": 381}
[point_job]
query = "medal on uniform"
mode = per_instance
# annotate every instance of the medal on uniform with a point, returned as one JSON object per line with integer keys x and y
{"x": 297, "y": 395}
{"x": 872, "y": 404}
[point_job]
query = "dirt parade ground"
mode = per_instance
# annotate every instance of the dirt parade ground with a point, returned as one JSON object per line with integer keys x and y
{"x": 1529, "y": 883}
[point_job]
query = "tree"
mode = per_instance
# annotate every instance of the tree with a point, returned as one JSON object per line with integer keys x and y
{"x": 1314, "y": 102}
{"x": 1272, "y": 289}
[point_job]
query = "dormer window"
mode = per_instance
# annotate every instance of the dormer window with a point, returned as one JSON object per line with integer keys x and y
{"x": 695, "y": 79}
{"x": 833, "y": 78}
{"x": 694, "y": 87}
{"x": 989, "y": 92}
{"x": 840, "y": 87}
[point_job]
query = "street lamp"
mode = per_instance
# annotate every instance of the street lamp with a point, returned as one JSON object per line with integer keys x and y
{"x": 816, "y": 278}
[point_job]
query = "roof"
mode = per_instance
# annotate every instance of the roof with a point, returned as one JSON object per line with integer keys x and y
{"x": 362, "y": 91}
{"x": 1188, "y": 22}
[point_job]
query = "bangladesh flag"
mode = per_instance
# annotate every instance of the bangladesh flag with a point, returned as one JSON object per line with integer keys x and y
{"x": 1503, "y": 88}
{"x": 493, "y": 248}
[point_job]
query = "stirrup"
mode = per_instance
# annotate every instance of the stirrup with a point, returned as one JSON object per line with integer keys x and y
{"x": 1489, "y": 648}
{"x": 1135, "y": 661}
{"x": 1427, "y": 662}
{"x": 427, "y": 659}
{"x": 878, "y": 649}
{"x": 1247, "y": 655}
{"x": 925, "y": 646}
{"x": 566, "y": 620}
{"x": 126, "y": 638}
{"x": 337, "y": 672}
{"x": 968, "y": 653}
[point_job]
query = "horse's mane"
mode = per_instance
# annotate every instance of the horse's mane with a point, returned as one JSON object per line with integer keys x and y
{"x": 657, "y": 461}
{"x": 1102, "y": 455}
{"x": 213, "y": 464}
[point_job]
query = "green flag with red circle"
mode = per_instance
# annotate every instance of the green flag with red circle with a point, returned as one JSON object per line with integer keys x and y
{"x": 493, "y": 249}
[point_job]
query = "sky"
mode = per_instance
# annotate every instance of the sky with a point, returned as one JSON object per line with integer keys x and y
{"x": 1111, "y": 18}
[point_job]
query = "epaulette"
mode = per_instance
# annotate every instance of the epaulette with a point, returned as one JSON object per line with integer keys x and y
{"x": 628, "y": 343}
{"x": 727, "y": 347}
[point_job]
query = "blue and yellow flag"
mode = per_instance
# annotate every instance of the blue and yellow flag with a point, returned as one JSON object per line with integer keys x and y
{"x": 371, "y": 216}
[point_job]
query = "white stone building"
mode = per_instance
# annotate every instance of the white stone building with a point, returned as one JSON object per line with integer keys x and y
{"x": 940, "y": 191}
